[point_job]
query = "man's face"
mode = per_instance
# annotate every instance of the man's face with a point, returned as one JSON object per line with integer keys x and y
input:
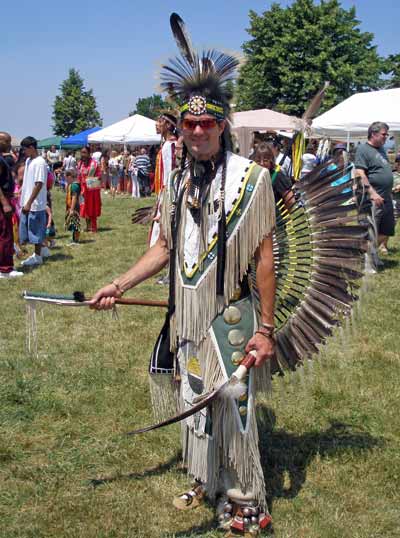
{"x": 201, "y": 135}
{"x": 29, "y": 151}
{"x": 379, "y": 139}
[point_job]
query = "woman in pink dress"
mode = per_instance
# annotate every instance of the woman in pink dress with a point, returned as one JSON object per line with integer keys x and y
{"x": 89, "y": 176}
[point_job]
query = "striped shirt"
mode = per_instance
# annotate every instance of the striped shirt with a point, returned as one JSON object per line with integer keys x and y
{"x": 142, "y": 163}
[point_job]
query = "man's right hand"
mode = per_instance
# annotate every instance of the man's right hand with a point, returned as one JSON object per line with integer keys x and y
{"x": 376, "y": 198}
{"x": 104, "y": 299}
{"x": 7, "y": 208}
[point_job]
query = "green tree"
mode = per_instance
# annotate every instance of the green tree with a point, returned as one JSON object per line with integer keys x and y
{"x": 74, "y": 110}
{"x": 392, "y": 69}
{"x": 149, "y": 106}
{"x": 293, "y": 50}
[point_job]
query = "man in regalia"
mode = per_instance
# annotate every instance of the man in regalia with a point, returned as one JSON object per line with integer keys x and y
{"x": 216, "y": 224}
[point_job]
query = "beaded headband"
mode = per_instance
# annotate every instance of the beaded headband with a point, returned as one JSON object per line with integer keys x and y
{"x": 198, "y": 105}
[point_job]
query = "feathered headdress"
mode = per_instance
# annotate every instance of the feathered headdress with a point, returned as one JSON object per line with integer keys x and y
{"x": 198, "y": 82}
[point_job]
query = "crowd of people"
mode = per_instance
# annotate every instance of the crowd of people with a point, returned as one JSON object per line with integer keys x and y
{"x": 27, "y": 178}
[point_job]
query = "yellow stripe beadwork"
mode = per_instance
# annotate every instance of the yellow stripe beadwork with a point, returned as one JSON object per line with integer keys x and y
{"x": 229, "y": 218}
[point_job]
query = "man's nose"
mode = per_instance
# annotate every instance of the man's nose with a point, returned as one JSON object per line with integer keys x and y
{"x": 198, "y": 129}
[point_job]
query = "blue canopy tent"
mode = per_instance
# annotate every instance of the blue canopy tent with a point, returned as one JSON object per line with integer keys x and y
{"x": 79, "y": 139}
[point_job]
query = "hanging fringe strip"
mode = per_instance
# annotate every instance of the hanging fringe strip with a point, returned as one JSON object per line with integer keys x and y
{"x": 197, "y": 307}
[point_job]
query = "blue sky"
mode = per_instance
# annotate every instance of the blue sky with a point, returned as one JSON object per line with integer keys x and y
{"x": 118, "y": 47}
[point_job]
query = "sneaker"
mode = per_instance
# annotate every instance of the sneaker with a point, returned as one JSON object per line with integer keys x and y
{"x": 383, "y": 250}
{"x": 11, "y": 274}
{"x": 45, "y": 252}
{"x": 32, "y": 260}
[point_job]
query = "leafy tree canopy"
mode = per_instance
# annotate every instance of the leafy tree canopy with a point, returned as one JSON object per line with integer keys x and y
{"x": 149, "y": 106}
{"x": 294, "y": 49}
{"x": 392, "y": 69}
{"x": 74, "y": 110}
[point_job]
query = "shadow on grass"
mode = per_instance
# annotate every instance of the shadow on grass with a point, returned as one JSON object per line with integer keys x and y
{"x": 390, "y": 264}
{"x": 104, "y": 229}
{"x": 58, "y": 257}
{"x": 82, "y": 242}
{"x": 210, "y": 525}
{"x": 153, "y": 471}
{"x": 285, "y": 456}
{"x": 52, "y": 258}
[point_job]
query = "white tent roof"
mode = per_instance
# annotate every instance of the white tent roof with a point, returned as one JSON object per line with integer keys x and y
{"x": 135, "y": 130}
{"x": 352, "y": 117}
{"x": 264, "y": 119}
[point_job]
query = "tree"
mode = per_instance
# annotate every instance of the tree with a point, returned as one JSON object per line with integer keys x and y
{"x": 392, "y": 69}
{"x": 294, "y": 50}
{"x": 149, "y": 106}
{"x": 75, "y": 109}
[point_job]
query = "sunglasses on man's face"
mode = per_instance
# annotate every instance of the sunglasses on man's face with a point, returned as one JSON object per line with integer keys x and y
{"x": 205, "y": 124}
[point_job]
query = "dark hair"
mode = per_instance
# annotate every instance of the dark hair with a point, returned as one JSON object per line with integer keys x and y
{"x": 376, "y": 127}
{"x": 70, "y": 173}
{"x": 28, "y": 142}
{"x": 87, "y": 148}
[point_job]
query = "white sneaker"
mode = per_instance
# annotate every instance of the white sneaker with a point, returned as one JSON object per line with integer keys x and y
{"x": 11, "y": 274}
{"x": 32, "y": 260}
{"x": 45, "y": 252}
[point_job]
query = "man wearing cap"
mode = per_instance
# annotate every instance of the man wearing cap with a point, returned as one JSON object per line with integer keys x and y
{"x": 217, "y": 219}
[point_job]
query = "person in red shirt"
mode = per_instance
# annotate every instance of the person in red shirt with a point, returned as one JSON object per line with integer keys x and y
{"x": 89, "y": 176}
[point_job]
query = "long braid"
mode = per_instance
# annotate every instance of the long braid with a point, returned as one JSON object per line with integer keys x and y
{"x": 221, "y": 246}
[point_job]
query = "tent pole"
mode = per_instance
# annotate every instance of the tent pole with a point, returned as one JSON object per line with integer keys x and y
{"x": 348, "y": 141}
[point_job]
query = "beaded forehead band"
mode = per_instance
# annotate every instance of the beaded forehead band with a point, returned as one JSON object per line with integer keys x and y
{"x": 198, "y": 105}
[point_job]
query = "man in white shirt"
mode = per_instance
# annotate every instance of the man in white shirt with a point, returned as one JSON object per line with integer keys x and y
{"x": 96, "y": 155}
{"x": 32, "y": 227}
{"x": 69, "y": 162}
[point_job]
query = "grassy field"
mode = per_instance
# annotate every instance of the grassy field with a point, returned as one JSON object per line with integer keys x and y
{"x": 330, "y": 435}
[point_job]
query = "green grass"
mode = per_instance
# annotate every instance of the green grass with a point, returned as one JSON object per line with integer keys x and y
{"x": 330, "y": 436}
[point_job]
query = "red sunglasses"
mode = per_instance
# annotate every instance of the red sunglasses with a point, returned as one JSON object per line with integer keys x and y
{"x": 206, "y": 124}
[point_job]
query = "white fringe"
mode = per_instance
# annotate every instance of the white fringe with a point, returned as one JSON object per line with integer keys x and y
{"x": 164, "y": 392}
{"x": 31, "y": 328}
{"x": 229, "y": 447}
{"x": 197, "y": 307}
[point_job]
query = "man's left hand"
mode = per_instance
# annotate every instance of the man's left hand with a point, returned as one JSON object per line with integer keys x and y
{"x": 264, "y": 347}
{"x": 26, "y": 208}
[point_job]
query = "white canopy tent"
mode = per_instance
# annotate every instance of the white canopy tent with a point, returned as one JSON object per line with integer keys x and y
{"x": 136, "y": 130}
{"x": 350, "y": 119}
{"x": 264, "y": 119}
